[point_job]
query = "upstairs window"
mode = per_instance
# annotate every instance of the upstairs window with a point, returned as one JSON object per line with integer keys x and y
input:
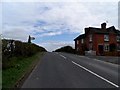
{"x": 106, "y": 37}
{"x": 77, "y": 42}
{"x": 90, "y": 38}
{"x": 106, "y": 47}
{"x": 82, "y": 41}
{"x": 77, "y": 48}
{"x": 90, "y": 46}
{"x": 118, "y": 47}
{"x": 118, "y": 38}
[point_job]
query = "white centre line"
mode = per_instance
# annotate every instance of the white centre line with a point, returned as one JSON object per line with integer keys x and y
{"x": 63, "y": 56}
{"x": 95, "y": 74}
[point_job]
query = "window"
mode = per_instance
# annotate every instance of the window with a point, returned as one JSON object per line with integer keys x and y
{"x": 77, "y": 41}
{"x": 82, "y": 40}
{"x": 112, "y": 47}
{"x": 106, "y": 47}
{"x": 77, "y": 48}
{"x": 90, "y": 46}
{"x": 90, "y": 37}
{"x": 106, "y": 37}
{"x": 118, "y": 38}
{"x": 118, "y": 47}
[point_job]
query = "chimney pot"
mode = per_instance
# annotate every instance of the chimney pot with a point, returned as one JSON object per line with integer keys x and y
{"x": 103, "y": 26}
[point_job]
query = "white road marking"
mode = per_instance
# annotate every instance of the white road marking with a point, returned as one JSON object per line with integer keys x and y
{"x": 96, "y": 74}
{"x": 63, "y": 56}
{"x": 100, "y": 60}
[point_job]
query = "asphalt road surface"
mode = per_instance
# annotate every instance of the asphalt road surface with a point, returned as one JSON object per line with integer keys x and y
{"x": 62, "y": 70}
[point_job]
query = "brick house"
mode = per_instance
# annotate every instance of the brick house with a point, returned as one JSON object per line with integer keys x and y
{"x": 105, "y": 41}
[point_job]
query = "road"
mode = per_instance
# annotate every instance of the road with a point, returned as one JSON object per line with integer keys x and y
{"x": 62, "y": 70}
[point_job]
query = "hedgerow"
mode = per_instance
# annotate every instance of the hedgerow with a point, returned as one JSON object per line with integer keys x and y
{"x": 22, "y": 49}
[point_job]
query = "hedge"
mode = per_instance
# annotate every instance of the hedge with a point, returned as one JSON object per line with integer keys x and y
{"x": 22, "y": 49}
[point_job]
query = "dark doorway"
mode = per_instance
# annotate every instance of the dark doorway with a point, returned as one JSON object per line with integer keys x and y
{"x": 100, "y": 49}
{"x": 112, "y": 47}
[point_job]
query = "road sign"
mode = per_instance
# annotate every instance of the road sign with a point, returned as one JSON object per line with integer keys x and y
{"x": 32, "y": 38}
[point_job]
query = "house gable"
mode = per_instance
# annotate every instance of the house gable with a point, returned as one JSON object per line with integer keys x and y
{"x": 80, "y": 37}
{"x": 98, "y": 38}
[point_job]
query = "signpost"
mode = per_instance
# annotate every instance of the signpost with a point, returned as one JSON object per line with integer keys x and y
{"x": 30, "y": 38}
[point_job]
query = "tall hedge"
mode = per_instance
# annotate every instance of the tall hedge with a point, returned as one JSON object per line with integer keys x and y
{"x": 22, "y": 49}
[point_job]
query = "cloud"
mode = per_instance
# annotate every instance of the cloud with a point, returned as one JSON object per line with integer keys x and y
{"x": 16, "y": 32}
{"x": 119, "y": 15}
{"x": 60, "y": 0}
{"x": 66, "y": 17}
{"x": 50, "y": 34}
{"x": 47, "y": 19}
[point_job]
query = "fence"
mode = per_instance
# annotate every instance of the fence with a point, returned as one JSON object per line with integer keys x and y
{"x": 89, "y": 53}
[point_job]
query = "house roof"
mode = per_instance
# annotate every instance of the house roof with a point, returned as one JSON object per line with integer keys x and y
{"x": 118, "y": 32}
{"x": 98, "y": 31}
{"x": 80, "y": 37}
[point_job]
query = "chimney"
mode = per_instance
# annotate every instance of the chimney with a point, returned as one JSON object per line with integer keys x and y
{"x": 86, "y": 30}
{"x": 103, "y": 26}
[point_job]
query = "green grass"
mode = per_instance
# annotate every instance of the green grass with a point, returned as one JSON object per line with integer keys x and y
{"x": 22, "y": 65}
{"x": 0, "y": 79}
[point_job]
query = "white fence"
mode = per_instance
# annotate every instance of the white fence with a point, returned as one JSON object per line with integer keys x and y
{"x": 88, "y": 53}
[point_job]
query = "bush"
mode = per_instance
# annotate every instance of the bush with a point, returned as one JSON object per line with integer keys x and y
{"x": 67, "y": 49}
{"x": 22, "y": 49}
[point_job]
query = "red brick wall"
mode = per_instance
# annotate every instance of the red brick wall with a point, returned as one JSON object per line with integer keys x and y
{"x": 98, "y": 39}
{"x": 87, "y": 40}
{"x": 112, "y": 38}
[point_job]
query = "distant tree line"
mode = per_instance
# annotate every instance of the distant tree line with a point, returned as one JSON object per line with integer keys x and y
{"x": 67, "y": 49}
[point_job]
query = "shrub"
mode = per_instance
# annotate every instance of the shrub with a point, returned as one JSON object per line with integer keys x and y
{"x": 67, "y": 49}
{"x": 22, "y": 49}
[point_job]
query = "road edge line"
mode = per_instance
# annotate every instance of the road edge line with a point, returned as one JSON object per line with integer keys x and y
{"x": 96, "y": 74}
{"x": 63, "y": 56}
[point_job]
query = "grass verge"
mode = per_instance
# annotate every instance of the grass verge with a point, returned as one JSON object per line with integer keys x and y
{"x": 0, "y": 79}
{"x": 12, "y": 76}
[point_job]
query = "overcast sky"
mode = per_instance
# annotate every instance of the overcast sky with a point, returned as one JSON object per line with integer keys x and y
{"x": 54, "y": 23}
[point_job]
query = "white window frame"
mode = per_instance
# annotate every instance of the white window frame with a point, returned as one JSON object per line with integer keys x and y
{"x": 77, "y": 48}
{"x": 90, "y": 37}
{"x": 106, "y": 47}
{"x": 77, "y": 42}
{"x": 118, "y": 38}
{"x": 118, "y": 47}
{"x": 90, "y": 46}
{"x": 82, "y": 41}
{"x": 106, "y": 37}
